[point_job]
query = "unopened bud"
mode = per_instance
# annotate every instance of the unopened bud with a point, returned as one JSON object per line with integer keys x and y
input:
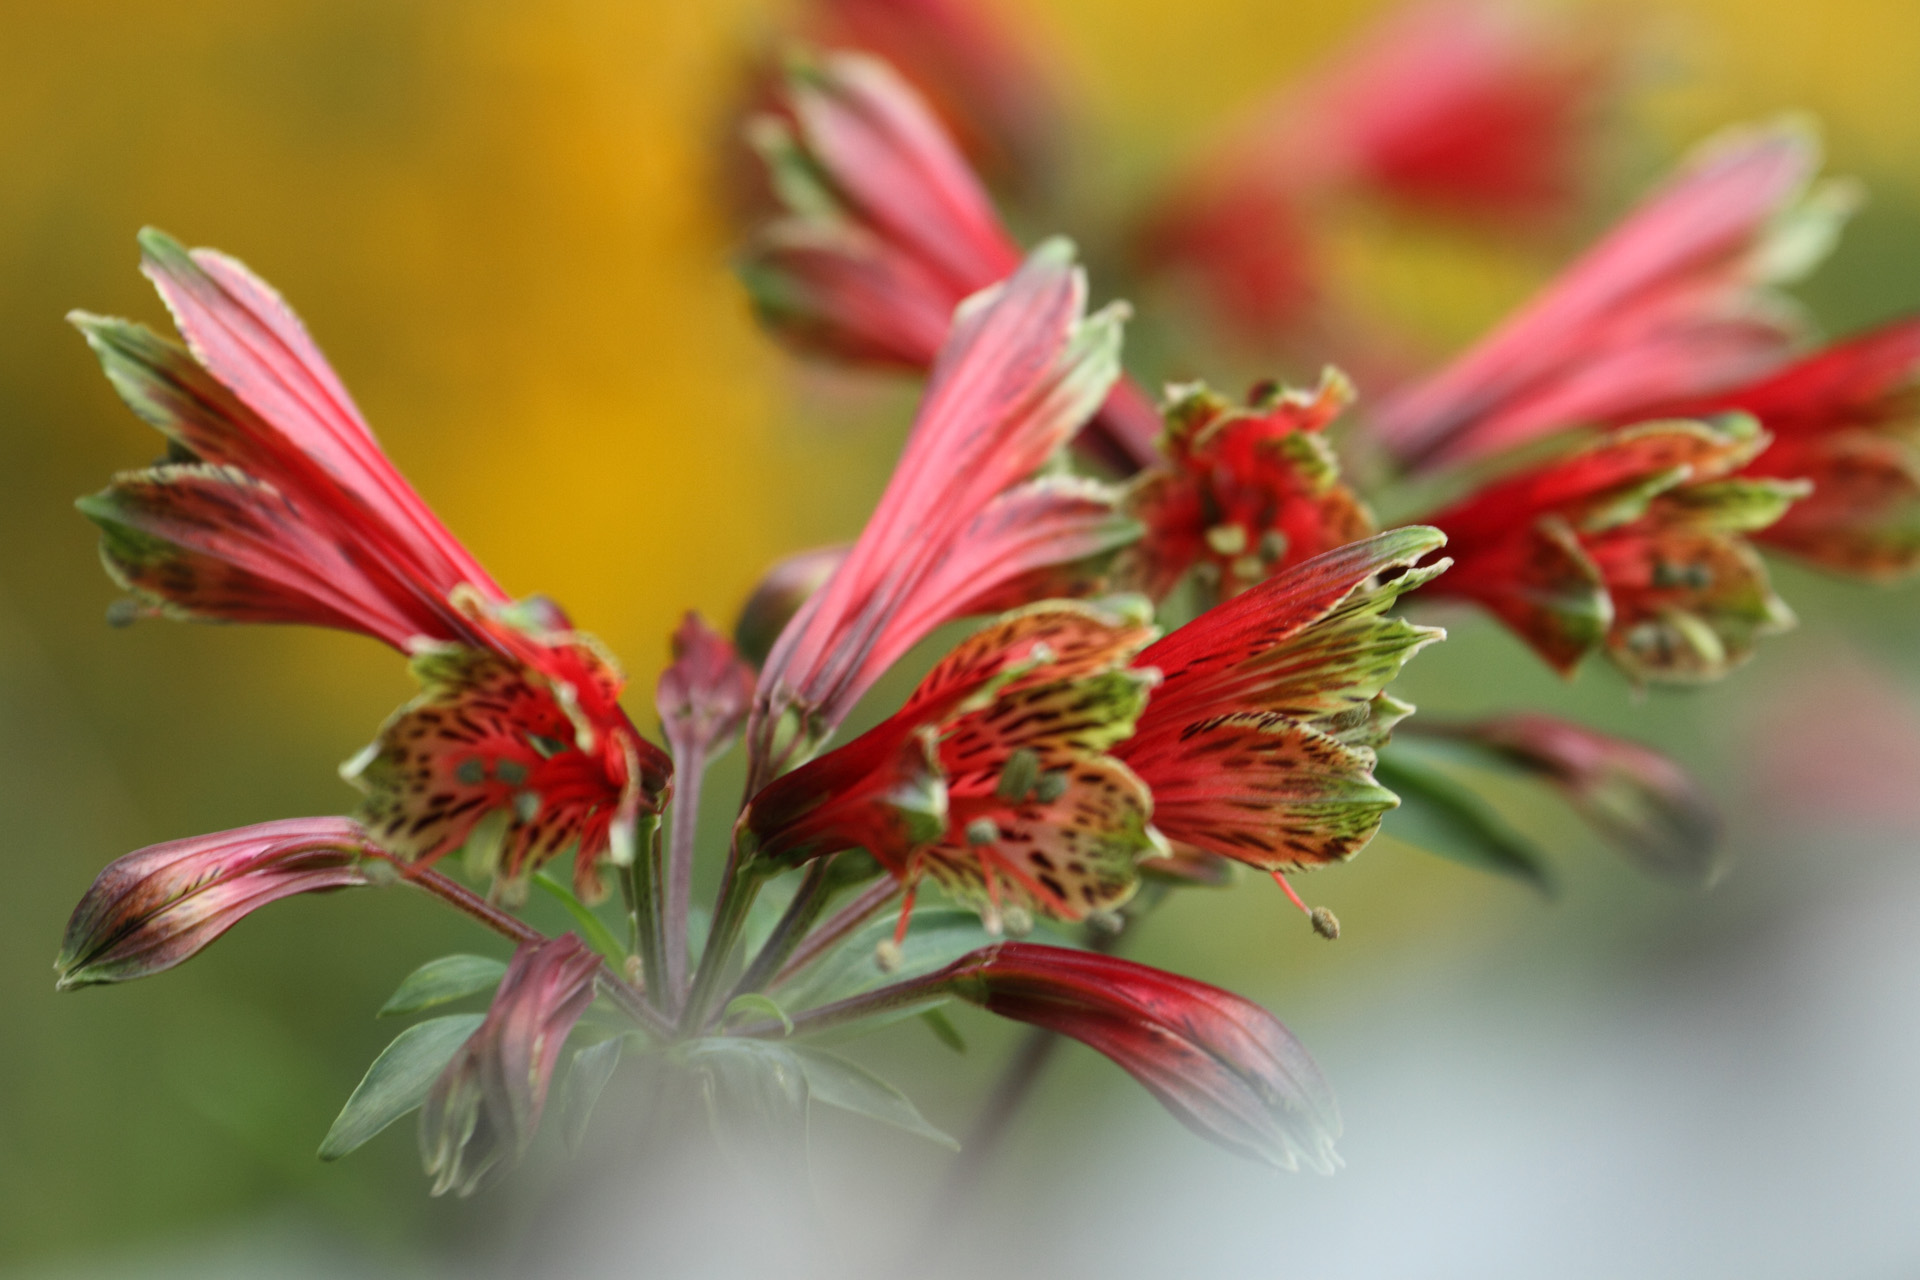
{"x": 887, "y": 955}
{"x": 1325, "y": 923}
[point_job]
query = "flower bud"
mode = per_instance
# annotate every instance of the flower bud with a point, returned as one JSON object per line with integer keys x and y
{"x": 156, "y": 907}
{"x": 485, "y": 1107}
{"x": 704, "y": 696}
{"x": 1222, "y": 1065}
{"x": 786, "y": 587}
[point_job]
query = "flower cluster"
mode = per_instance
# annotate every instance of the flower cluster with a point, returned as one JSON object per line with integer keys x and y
{"x": 1181, "y": 622}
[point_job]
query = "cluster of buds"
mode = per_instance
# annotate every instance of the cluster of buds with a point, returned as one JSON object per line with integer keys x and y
{"x": 1180, "y": 655}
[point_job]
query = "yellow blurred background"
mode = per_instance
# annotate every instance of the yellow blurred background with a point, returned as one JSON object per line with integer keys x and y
{"x": 500, "y": 220}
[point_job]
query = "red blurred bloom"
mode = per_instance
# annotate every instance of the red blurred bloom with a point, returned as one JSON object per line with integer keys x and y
{"x": 1258, "y": 743}
{"x": 485, "y": 1107}
{"x": 957, "y": 525}
{"x": 1243, "y": 492}
{"x": 887, "y": 231}
{"x": 156, "y": 907}
{"x": 277, "y": 505}
{"x": 1222, "y": 1065}
{"x": 1635, "y": 543}
{"x": 988, "y": 90}
{"x": 1676, "y": 302}
{"x": 1841, "y": 418}
{"x": 1454, "y": 106}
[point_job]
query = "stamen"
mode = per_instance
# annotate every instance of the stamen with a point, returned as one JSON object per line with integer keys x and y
{"x": 1280, "y": 879}
{"x": 906, "y": 913}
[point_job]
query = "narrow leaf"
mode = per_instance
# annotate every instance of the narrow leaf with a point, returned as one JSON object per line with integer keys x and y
{"x": 756, "y": 1097}
{"x": 943, "y": 1029}
{"x": 592, "y": 1067}
{"x": 592, "y": 928}
{"x": 836, "y": 1082}
{"x": 398, "y": 1080}
{"x": 1446, "y": 818}
{"x": 754, "y": 1002}
{"x": 440, "y": 981}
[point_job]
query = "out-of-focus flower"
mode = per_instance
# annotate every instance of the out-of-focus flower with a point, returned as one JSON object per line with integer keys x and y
{"x": 704, "y": 694}
{"x": 778, "y": 595}
{"x": 1842, "y": 418}
{"x": 887, "y": 231}
{"x": 1243, "y": 492}
{"x": 994, "y": 777}
{"x": 1258, "y": 743}
{"x": 1021, "y": 371}
{"x": 988, "y": 90}
{"x": 485, "y": 1107}
{"x": 1635, "y": 543}
{"x": 1648, "y": 807}
{"x": 160, "y": 905}
{"x": 1456, "y": 106}
{"x": 277, "y": 505}
{"x": 1676, "y": 302}
{"x": 1223, "y": 1066}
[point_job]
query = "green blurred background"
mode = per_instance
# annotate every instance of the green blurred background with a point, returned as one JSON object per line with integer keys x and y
{"x": 501, "y": 222}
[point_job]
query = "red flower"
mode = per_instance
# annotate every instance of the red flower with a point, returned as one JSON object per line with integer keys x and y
{"x": 888, "y": 230}
{"x": 154, "y": 908}
{"x": 1840, "y": 418}
{"x": 1674, "y": 303}
{"x": 957, "y": 526}
{"x": 1024, "y": 771}
{"x": 1634, "y": 543}
{"x": 485, "y": 1107}
{"x": 1243, "y": 491}
{"x": 1258, "y": 743}
{"x": 1222, "y": 1065}
{"x": 994, "y": 777}
{"x": 279, "y": 506}
{"x": 988, "y": 91}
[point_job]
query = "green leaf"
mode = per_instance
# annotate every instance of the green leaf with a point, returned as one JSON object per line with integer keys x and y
{"x": 1445, "y": 817}
{"x": 756, "y": 1094}
{"x": 836, "y": 1082}
{"x": 937, "y": 937}
{"x": 754, "y": 1002}
{"x": 592, "y": 928}
{"x": 943, "y": 1029}
{"x": 587, "y": 1077}
{"x": 398, "y": 1080}
{"x": 439, "y": 981}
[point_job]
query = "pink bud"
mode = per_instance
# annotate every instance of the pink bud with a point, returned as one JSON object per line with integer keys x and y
{"x": 156, "y": 907}
{"x": 703, "y": 697}
{"x": 1222, "y": 1065}
{"x": 485, "y": 1107}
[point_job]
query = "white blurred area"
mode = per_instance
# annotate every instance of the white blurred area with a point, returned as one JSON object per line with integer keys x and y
{"x": 1634, "y": 1082}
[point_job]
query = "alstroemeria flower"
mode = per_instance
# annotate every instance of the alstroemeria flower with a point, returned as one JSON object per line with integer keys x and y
{"x": 1243, "y": 492}
{"x": 1676, "y": 302}
{"x": 1258, "y": 743}
{"x": 160, "y": 905}
{"x": 485, "y": 1107}
{"x": 1452, "y": 106}
{"x": 1223, "y": 1066}
{"x": 962, "y": 520}
{"x": 988, "y": 90}
{"x": 887, "y": 231}
{"x": 1843, "y": 418}
{"x": 1646, "y": 805}
{"x": 277, "y": 505}
{"x": 995, "y": 777}
{"x": 1635, "y": 543}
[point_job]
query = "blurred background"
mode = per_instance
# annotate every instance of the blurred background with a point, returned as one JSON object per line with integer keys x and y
{"x": 502, "y": 223}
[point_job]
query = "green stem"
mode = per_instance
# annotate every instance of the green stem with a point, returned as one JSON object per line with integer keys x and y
{"x": 739, "y": 885}
{"x": 913, "y": 991}
{"x": 842, "y": 923}
{"x": 679, "y": 891}
{"x": 809, "y": 900}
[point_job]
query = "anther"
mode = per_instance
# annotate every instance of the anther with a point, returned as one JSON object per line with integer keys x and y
{"x": 1227, "y": 539}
